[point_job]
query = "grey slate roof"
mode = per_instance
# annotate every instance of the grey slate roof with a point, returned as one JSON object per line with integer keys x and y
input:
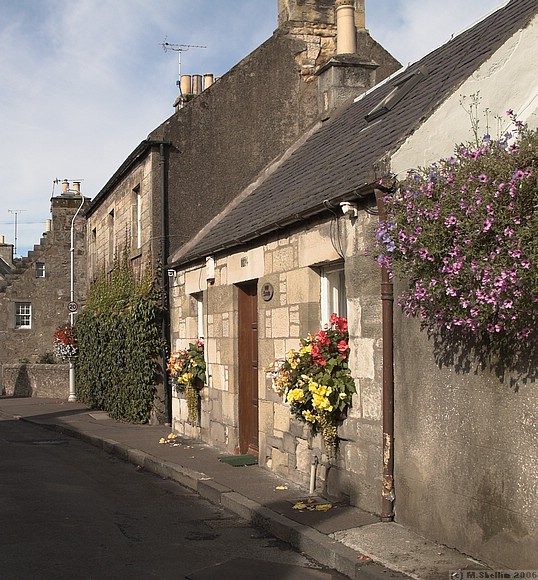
{"x": 338, "y": 159}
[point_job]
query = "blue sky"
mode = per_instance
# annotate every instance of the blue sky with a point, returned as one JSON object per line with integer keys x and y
{"x": 84, "y": 81}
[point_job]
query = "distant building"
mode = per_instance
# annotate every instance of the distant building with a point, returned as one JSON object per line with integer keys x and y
{"x": 35, "y": 290}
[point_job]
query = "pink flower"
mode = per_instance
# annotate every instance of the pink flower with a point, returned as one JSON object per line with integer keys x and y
{"x": 343, "y": 348}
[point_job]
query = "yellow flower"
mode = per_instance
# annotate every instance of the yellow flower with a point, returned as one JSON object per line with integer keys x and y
{"x": 313, "y": 387}
{"x": 295, "y": 396}
{"x": 322, "y": 403}
{"x": 309, "y": 416}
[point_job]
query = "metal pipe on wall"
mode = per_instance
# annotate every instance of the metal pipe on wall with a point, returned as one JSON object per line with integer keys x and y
{"x": 387, "y": 306}
{"x": 165, "y": 327}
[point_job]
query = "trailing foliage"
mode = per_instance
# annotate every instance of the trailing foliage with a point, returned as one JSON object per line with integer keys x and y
{"x": 463, "y": 231}
{"x": 119, "y": 342}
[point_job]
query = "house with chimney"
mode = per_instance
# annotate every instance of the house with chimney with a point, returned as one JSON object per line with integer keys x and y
{"x": 35, "y": 290}
{"x": 445, "y": 450}
{"x": 224, "y": 135}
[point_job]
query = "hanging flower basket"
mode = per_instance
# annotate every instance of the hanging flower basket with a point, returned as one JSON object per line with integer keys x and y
{"x": 316, "y": 381}
{"x": 187, "y": 370}
{"x": 65, "y": 342}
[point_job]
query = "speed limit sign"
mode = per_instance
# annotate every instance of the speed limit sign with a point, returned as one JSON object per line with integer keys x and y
{"x": 72, "y": 307}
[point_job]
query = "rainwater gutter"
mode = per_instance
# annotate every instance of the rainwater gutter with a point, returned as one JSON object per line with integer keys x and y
{"x": 165, "y": 322}
{"x": 387, "y": 306}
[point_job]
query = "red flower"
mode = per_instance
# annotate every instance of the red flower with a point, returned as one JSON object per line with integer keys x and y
{"x": 321, "y": 337}
{"x": 343, "y": 348}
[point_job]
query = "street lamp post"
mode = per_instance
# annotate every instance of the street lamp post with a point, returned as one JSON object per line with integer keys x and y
{"x": 72, "y": 388}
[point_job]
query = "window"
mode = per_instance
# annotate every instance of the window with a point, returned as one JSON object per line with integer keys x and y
{"x": 40, "y": 270}
{"x": 198, "y": 306}
{"x": 23, "y": 315}
{"x": 333, "y": 292}
{"x": 403, "y": 85}
{"x": 136, "y": 219}
{"x": 111, "y": 239}
{"x": 93, "y": 251}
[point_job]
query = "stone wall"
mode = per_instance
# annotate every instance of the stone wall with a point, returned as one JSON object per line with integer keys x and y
{"x": 48, "y": 295}
{"x": 113, "y": 219}
{"x": 291, "y": 266}
{"x": 35, "y": 380}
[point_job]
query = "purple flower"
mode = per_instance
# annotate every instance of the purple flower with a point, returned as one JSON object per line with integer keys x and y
{"x": 483, "y": 178}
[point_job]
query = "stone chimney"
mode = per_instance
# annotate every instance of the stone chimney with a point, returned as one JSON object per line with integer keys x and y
{"x": 315, "y": 12}
{"x": 343, "y": 73}
{"x": 6, "y": 251}
{"x": 191, "y": 86}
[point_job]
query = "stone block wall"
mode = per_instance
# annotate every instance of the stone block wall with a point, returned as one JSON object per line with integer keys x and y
{"x": 35, "y": 380}
{"x": 112, "y": 221}
{"x": 290, "y": 265}
{"x": 48, "y": 295}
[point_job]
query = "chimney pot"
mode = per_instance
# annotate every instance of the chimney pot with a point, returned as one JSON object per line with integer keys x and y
{"x": 208, "y": 80}
{"x": 196, "y": 84}
{"x": 65, "y": 186}
{"x": 346, "y": 32}
{"x": 185, "y": 85}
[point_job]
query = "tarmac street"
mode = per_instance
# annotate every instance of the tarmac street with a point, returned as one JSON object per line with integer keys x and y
{"x": 68, "y": 510}
{"x": 342, "y": 538}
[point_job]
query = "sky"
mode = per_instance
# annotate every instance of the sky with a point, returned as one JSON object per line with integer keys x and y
{"x": 84, "y": 82}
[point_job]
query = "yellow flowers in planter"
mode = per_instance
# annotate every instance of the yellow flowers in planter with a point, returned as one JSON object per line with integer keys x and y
{"x": 187, "y": 370}
{"x": 316, "y": 381}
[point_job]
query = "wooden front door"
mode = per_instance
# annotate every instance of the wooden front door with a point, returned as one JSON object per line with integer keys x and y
{"x": 248, "y": 367}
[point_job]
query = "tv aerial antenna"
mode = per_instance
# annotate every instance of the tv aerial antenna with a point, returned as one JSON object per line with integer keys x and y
{"x": 15, "y": 212}
{"x": 179, "y": 48}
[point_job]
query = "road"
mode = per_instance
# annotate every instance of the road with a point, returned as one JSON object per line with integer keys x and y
{"x": 70, "y": 511}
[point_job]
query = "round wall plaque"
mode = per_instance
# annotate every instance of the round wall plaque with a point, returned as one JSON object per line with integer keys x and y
{"x": 267, "y": 291}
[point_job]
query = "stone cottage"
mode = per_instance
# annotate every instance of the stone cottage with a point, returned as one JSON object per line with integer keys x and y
{"x": 433, "y": 448}
{"x": 222, "y": 138}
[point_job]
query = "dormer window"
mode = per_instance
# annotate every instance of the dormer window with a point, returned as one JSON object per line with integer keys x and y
{"x": 402, "y": 86}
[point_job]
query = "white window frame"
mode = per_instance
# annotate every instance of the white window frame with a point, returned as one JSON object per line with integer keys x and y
{"x": 40, "y": 271}
{"x": 333, "y": 292}
{"x": 23, "y": 315}
{"x": 199, "y": 298}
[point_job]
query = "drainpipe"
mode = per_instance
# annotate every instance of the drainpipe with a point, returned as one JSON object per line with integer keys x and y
{"x": 387, "y": 303}
{"x": 165, "y": 326}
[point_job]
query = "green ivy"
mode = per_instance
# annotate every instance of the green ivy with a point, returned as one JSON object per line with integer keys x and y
{"x": 119, "y": 340}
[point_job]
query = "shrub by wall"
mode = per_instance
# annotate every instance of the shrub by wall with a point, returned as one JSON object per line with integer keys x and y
{"x": 119, "y": 340}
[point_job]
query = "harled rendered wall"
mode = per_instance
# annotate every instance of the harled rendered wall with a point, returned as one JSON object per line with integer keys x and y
{"x": 467, "y": 438}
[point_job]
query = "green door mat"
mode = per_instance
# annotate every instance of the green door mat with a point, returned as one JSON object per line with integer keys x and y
{"x": 239, "y": 460}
